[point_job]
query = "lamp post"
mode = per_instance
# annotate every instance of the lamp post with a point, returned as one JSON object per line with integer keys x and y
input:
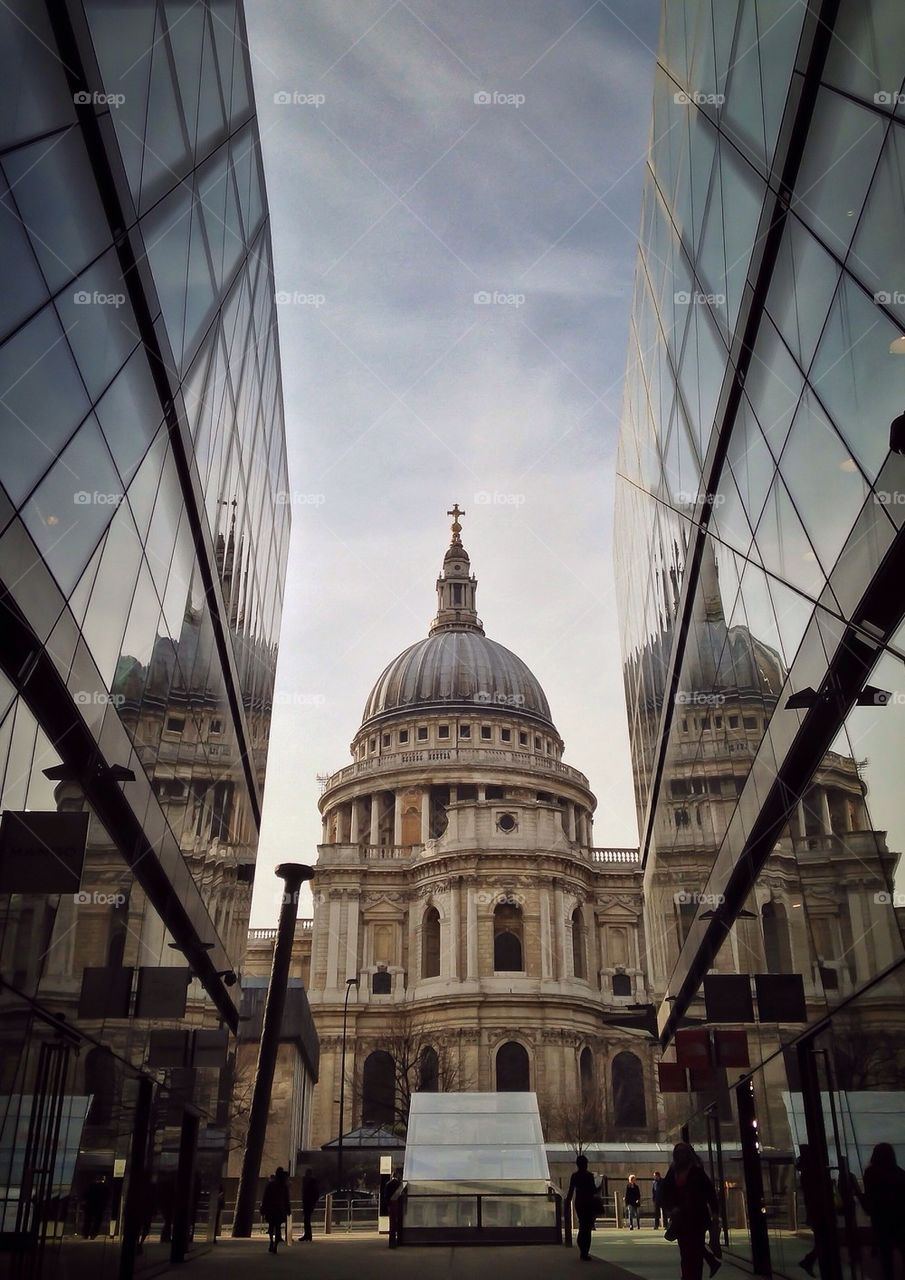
{"x": 293, "y": 874}
{"x": 350, "y": 983}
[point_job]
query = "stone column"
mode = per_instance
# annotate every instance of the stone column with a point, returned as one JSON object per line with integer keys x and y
{"x": 324, "y": 829}
{"x": 825, "y": 820}
{"x": 354, "y": 834}
{"x": 352, "y": 934}
{"x": 559, "y": 932}
{"x": 452, "y": 941}
{"x": 546, "y": 947}
{"x": 482, "y": 792}
{"x": 802, "y": 823}
{"x": 375, "y": 819}
{"x": 333, "y": 940}
{"x": 471, "y": 933}
{"x": 397, "y": 818}
{"x": 425, "y": 815}
{"x": 570, "y": 817}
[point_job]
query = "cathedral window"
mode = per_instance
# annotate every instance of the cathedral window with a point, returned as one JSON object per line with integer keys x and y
{"x": 507, "y": 939}
{"x": 622, "y": 984}
{"x": 629, "y": 1108}
{"x": 486, "y": 732}
{"x": 386, "y": 739}
{"x": 381, "y": 983}
{"x": 506, "y": 822}
{"x": 681, "y": 816}
{"x": 464, "y": 730}
{"x": 403, "y": 737}
{"x": 579, "y": 960}
{"x": 536, "y": 742}
{"x": 443, "y": 731}
{"x": 777, "y": 948}
{"x": 378, "y": 1089}
{"x": 523, "y": 739}
{"x": 506, "y": 735}
{"x": 733, "y": 722}
{"x": 429, "y": 1071}
{"x": 430, "y": 944}
{"x": 513, "y": 1071}
{"x": 422, "y": 733}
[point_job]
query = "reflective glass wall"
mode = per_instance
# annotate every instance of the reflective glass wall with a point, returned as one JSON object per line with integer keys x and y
{"x": 143, "y": 543}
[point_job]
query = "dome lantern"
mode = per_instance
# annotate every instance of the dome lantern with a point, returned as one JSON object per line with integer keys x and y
{"x": 456, "y": 586}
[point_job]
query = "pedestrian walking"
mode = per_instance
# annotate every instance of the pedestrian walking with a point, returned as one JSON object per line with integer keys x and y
{"x": 806, "y": 1181}
{"x": 310, "y": 1195}
{"x": 656, "y": 1194}
{"x": 96, "y": 1196}
{"x": 690, "y": 1203}
{"x": 633, "y": 1203}
{"x": 588, "y": 1205}
{"x": 883, "y": 1200}
{"x": 276, "y": 1206}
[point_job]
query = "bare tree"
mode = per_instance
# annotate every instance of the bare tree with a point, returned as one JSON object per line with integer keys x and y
{"x": 424, "y": 1060}
{"x": 576, "y": 1120}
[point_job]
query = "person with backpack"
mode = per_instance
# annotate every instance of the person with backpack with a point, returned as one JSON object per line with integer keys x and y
{"x": 692, "y": 1210}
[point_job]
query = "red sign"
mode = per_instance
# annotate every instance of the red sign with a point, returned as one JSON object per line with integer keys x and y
{"x": 693, "y": 1047}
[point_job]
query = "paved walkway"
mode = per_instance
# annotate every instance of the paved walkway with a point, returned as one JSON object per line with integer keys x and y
{"x": 623, "y": 1255}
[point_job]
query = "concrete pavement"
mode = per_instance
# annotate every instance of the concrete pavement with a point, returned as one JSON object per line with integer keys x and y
{"x": 622, "y": 1255}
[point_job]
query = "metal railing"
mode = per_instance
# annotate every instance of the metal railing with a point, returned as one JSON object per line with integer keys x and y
{"x": 390, "y": 761}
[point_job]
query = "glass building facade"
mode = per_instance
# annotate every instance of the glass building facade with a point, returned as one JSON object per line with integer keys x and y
{"x": 143, "y": 545}
{"x": 761, "y": 558}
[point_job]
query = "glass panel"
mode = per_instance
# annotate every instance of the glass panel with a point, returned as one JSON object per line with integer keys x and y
{"x": 877, "y": 247}
{"x": 129, "y": 414}
{"x": 123, "y": 36}
{"x": 58, "y": 199}
{"x": 24, "y": 288}
{"x": 867, "y": 53}
{"x": 96, "y": 313}
{"x": 166, "y": 236}
{"x": 42, "y": 400}
{"x": 801, "y": 290}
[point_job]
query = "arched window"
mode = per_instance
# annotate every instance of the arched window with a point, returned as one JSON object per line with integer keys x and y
{"x": 777, "y": 948}
{"x": 429, "y": 1071}
{"x": 100, "y": 1083}
{"x": 579, "y": 960}
{"x": 513, "y": 1073}
{"x": 378, "y": 1089}
{"x": 507, "y": 939}
{"x": 629, "y": 1108}
{"x": 430, "y": 944}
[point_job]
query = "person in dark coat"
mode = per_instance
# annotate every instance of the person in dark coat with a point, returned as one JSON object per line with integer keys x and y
{"x": 633, "y": 1203}
{"x": 96, "y": 1196}
{"x": 310, "y": 1196}
{"x": 276, "y": 1206}
{"x": 883, "y": 1200}
{"x": 690, "y": 1203}
{"x": 656, "y": 1192}
{"x": 808, "y": 1194}
{"x": 583, "y": 1191}
{"x": 393, "y": 1193}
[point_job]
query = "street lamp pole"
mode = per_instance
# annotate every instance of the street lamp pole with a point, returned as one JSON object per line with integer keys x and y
{"x": 350, "y": 983}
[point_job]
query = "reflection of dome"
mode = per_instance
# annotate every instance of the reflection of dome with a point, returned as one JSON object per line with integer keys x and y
{"x": 456, "y": 668}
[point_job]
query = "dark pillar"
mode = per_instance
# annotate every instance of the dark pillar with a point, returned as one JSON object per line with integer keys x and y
{"x": 138, "y": 1188}
{"x": 754, "y": 1181}
{"x": 293, "y": 874}
{"x": 826, "y": 1237}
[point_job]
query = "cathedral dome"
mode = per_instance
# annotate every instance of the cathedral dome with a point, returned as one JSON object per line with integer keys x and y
{"x": 453, "y": 668}
{"x": 456, "y": 665}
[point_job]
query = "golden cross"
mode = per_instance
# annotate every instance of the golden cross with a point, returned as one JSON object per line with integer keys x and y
{"x": 456, "y": 528}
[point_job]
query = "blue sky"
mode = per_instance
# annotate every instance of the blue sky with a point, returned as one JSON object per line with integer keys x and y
{"x": 422, "y": 158}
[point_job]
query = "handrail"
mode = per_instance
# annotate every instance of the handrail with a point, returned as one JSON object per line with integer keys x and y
{"x": 418, "y": 757}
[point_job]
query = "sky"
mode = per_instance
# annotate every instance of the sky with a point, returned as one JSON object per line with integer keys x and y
{"x": 454, "y": 190}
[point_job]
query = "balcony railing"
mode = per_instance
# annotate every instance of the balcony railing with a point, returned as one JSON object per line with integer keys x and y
{"x": 269, "y": 935}
{"x": 402, "y": 852}
{"x": 390, "y": 762}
